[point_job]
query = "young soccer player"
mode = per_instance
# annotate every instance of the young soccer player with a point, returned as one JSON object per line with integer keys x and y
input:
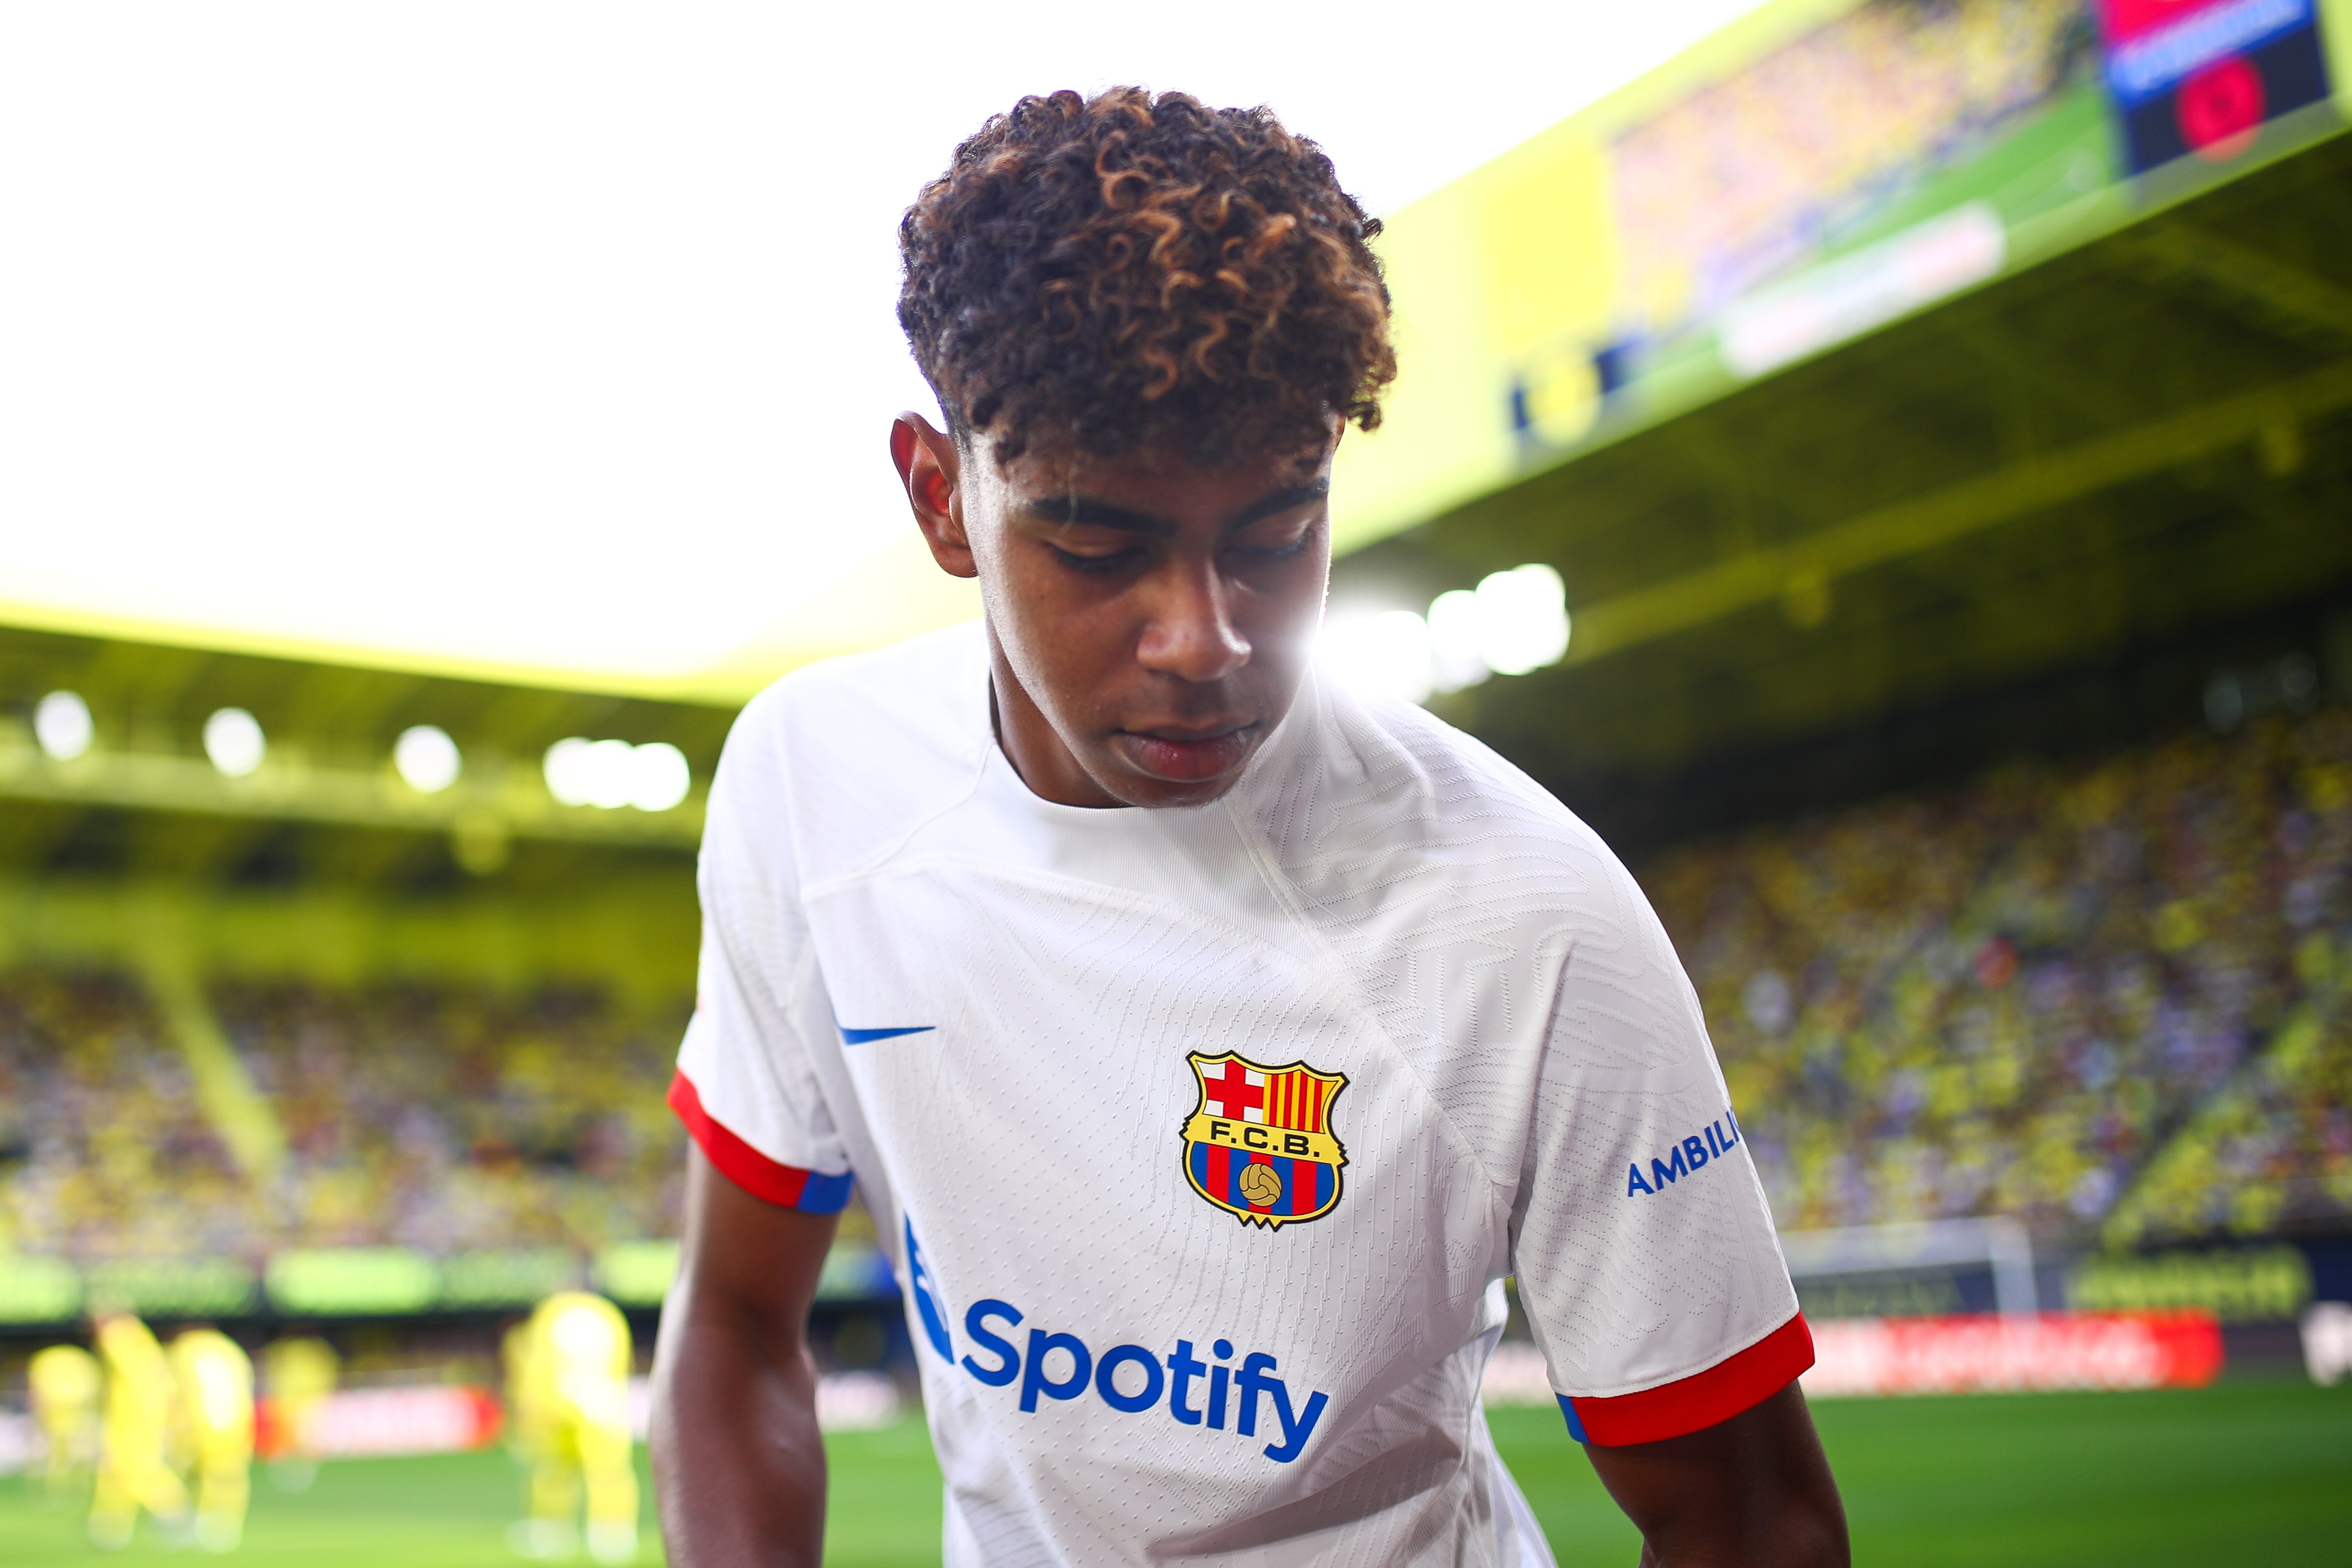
{"x": 1209, "y": 1043}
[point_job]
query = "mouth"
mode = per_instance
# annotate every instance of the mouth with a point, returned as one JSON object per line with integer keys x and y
{"x": 1186, "y": 754}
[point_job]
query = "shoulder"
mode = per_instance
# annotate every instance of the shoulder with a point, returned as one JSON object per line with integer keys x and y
{"x": 1375, "y": 799}
{"x": 867, "y": 745}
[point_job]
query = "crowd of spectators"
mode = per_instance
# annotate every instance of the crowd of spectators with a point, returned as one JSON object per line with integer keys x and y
{"x": 1745, "y": 176}
{"x": 104, "y": 1151}
{"x": 2113, "y": 998}
{"x": 2006, "y": 996}
{"x": 447, "y": 1119}
{"x": 437, "y": 1118}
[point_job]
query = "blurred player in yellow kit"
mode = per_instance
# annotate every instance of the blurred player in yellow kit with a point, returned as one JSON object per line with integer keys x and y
{"x": 568, "y": 1384}
{"x": 298, "y": 1375}
{"x": 66, "y": 1383}
{"x": 213, "y": 1427}
{"x": 132, "y": 1471}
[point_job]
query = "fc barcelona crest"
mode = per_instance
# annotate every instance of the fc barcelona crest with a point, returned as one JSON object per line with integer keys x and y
{"x": 1259, "y": 1144}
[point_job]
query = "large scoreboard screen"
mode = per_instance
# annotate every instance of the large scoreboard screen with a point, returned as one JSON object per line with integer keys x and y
{"x": 2203, "y": 76}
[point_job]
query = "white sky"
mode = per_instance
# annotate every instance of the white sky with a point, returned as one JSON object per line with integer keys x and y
{"x": 560, "y": 334}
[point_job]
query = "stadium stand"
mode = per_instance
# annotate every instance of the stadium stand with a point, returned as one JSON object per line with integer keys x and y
{"x": 2105, "y": 996}
{"x": 440, "y": 1119}
{"x": 2027, "y": 993}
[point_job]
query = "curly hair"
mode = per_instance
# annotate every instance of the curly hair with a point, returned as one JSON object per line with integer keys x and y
{"x": 1091, "y": 276}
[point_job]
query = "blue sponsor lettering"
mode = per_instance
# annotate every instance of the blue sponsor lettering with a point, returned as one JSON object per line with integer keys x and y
{"x": 981, "y": 1310}
{"x": 1107, "y": 1379}
{"x": 1689, "y": 1156}
{"x": 1033, "y": 1380}
{"x": 1242, "y": 1395}
{"x": 1182, "y": 1367}
{"x": 926, "y": 1298}
{"x": 1295, "y": 1431}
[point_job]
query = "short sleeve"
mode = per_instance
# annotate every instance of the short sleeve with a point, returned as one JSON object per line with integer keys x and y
{"x": 1646, "y": 1255}
{"x": 746, "y": 1086}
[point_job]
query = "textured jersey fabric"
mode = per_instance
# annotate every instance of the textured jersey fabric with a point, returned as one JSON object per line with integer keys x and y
{"x": 1203, "y": 1139}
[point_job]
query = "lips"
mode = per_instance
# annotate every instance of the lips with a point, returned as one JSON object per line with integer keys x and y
{"x": 1185, "y": 756}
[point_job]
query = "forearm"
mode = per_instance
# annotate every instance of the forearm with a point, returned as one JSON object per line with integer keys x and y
{"x": 738, "y": 1462}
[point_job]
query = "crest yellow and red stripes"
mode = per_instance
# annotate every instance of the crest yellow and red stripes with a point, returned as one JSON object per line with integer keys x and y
{"x": 1297, "y": 1101}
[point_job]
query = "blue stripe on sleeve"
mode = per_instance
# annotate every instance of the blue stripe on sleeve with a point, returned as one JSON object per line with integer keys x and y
{"x": 825, "y": 1194}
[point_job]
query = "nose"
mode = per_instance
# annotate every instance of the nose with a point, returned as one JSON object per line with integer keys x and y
{"x": 1188, "y": 631}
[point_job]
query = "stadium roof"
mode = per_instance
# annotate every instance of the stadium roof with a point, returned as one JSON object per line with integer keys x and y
{"x": 2141, "y": 438}
{"x": 577, "y": 379}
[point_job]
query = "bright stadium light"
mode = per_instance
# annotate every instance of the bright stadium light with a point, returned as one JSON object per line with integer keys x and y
{"x": 661, "y": 777}
{"x": 610, "y": 774}
{"x": 609, "y": 766}
{"x": 566, "y": 769}
{"x": 1384, "y": 650}
{"x": 1455, "y": 640}
{"x": 427, "y": 759}
{"x": 62, "y": 725}
{"x": 1522, "y": 619}
{"x": 233, "y": 739}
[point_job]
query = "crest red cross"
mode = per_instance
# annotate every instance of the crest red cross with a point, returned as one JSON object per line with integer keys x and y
{"x": 1234, "y": 1093}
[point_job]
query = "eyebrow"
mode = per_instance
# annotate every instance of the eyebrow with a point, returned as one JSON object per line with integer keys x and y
{"x": 1083, "y": 511}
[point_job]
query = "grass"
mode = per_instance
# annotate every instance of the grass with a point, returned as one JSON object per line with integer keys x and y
{"x": 2242, "y": 1473}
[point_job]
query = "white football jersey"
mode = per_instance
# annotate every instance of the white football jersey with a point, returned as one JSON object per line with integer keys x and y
{"x": 1203, "y": 1139}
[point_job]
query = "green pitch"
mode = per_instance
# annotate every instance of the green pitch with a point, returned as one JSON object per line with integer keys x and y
{"x": 2246, "y": 1473}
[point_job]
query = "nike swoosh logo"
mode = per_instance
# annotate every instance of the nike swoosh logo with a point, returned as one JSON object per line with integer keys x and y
{"x": 869, "y": 1036}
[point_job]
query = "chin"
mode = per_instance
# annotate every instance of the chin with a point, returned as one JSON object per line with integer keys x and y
{"x": 1142, "y": 789}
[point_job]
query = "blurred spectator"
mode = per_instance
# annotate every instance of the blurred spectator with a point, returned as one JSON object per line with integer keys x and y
{"x": 2004, "y": 997}
{"x": 1747, "y": 176}
{"x": 2109, "y": 997}
{"x": 443, "y": 1119}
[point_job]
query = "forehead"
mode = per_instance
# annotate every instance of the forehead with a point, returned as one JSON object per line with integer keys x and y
{"x": 1157, "y": 481}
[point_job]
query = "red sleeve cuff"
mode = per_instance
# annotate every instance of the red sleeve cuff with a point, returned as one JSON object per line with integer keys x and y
{"x": 1739, "y": 1381}
{"x": 786, "y": 1186}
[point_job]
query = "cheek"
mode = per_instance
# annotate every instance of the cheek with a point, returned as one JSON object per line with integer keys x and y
{"x": 1284, "y": 613}
{"x": 1065, "y": 642}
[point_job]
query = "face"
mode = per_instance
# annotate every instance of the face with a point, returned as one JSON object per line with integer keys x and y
{"x": 1148, "y": 620}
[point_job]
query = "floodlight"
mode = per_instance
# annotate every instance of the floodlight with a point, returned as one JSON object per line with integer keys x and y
{"x": 1523, "y": 619}
{"x": 566, "y": 768}
{"x": 1386, "y": 651}
{"x": 1454, "y": 640}
{"x": 608, "y": 773}
{"x": 660, "y": 777}
{"x": 233, "y": 739}
{"x": 427, "y": 758}
{"x": 61, "y": 724}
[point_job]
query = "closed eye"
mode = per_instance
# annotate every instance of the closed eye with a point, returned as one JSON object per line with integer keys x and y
{"x": 1097, "y": 563}
{"x": 1269, "y": 553}
{"x": 1284, "y": 549}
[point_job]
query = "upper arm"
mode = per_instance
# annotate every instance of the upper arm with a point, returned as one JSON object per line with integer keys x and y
{"x": 1643, "y": 1248}
{"x": 746, "y": 1259}
{"x": 1754, "y": 1489}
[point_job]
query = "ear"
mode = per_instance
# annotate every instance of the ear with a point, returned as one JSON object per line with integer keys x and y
{"x": 929, "y": 465}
